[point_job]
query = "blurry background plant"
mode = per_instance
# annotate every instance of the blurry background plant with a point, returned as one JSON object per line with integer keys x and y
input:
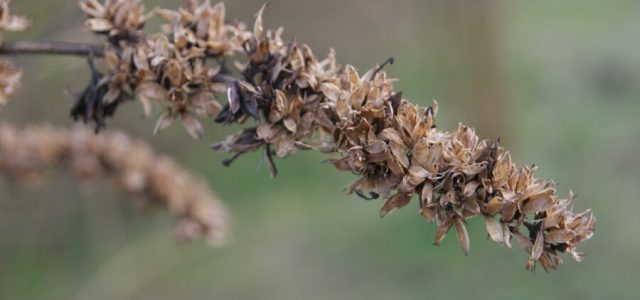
{"x": 30, "y": 264}
{"x": 29, "y": 155}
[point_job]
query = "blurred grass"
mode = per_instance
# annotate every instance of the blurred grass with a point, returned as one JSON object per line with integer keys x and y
{"x": 569, "y": 70}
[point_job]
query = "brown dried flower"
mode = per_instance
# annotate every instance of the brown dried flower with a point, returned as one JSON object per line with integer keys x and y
{"x": 131, "y": 164}
{"x": 171, "y": 67}
{"x": 118, "y": 19}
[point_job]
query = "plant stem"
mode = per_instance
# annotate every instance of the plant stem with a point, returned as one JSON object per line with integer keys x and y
{"x": 71, "y": 48}
{"x": 54, "y": 48}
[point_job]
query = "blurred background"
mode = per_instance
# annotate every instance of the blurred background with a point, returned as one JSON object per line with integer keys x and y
{"x": 558, "y": 81}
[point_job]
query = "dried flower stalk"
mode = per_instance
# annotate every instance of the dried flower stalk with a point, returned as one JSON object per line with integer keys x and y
{"x": 300, "y": 102}
{"x": 27, "y": 154}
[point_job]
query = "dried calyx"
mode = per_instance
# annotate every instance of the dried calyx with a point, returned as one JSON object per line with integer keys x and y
{"x": 28, "y": 154}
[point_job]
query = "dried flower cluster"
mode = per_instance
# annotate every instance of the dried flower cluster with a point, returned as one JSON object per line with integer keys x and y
{"x": 171, "y": 67}
{"x": 27, "y": 154}
{"x": 301, "y": 102}
{"x": 10, "y": 76}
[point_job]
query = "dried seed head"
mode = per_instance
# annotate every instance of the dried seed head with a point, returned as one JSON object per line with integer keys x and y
{"x": 301, "y": 102}
{"x": 396, "y": 149}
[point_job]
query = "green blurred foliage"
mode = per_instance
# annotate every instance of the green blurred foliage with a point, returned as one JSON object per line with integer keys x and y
{"x": 558, "y": 80}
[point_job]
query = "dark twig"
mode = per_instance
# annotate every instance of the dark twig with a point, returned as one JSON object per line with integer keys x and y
{"x": 55, "y": 48}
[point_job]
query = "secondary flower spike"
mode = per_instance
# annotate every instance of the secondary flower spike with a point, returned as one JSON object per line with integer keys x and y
{"x": 300, "y": 102}
{"x": 27, "y": 154}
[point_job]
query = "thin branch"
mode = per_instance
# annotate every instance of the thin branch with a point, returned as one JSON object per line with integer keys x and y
{"x": 54, "y": 48}
{"x": 70, "y": 48}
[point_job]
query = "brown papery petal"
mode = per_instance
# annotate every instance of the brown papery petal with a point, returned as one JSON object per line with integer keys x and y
{"x": 99, "y": 25}
{"x": 192, "y": 125}
{"x": 426, "y": 196}
{"x": 257, "y": 27}
{"x": 397, "y": 201}
{"x": 463, "y": 236}
{"x": 470, "y": 188}
{"x": 442, "y": 230}
{"x": 163, "y": 121}
{"x": 400, "y": 153}
{"x": 501, "y": 171}
{"x": 493, "y": 206}
{"x": 330, "y": 90}
{"x": 290, "y": 124}
{"x": 509, "y": 211}
{"x": 538, "y": 247}
{"x": 559, "y": 236}
{"x": 540, "y": 203}
{"x": 376, "y": 147}
{"x": 494, "y": 228}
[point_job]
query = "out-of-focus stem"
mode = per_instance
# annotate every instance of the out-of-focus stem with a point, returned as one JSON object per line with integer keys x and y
{"x": 53, "y": 48}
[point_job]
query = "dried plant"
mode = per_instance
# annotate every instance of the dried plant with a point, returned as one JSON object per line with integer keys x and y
{"x": 301, "y": 102}
{"x": 28, "y": 154}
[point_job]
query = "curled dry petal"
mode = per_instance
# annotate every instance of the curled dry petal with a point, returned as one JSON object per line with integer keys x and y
{"x": 537, "y": 204}
{"x": 192, "y": 125}
{"x": 164, "y": 121}
{"x": 148, "y": 91}
{"x": 442, "y": 230}
{"x": 463, "y": 236}
{"x": 398, "y": 201}
{"x": 501, "y": 171}
{"x": 330, "y": 90}
{"x": 559, "y": 236}
{"x": 536, "y": 250}
{"x": 494, "y": 228}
